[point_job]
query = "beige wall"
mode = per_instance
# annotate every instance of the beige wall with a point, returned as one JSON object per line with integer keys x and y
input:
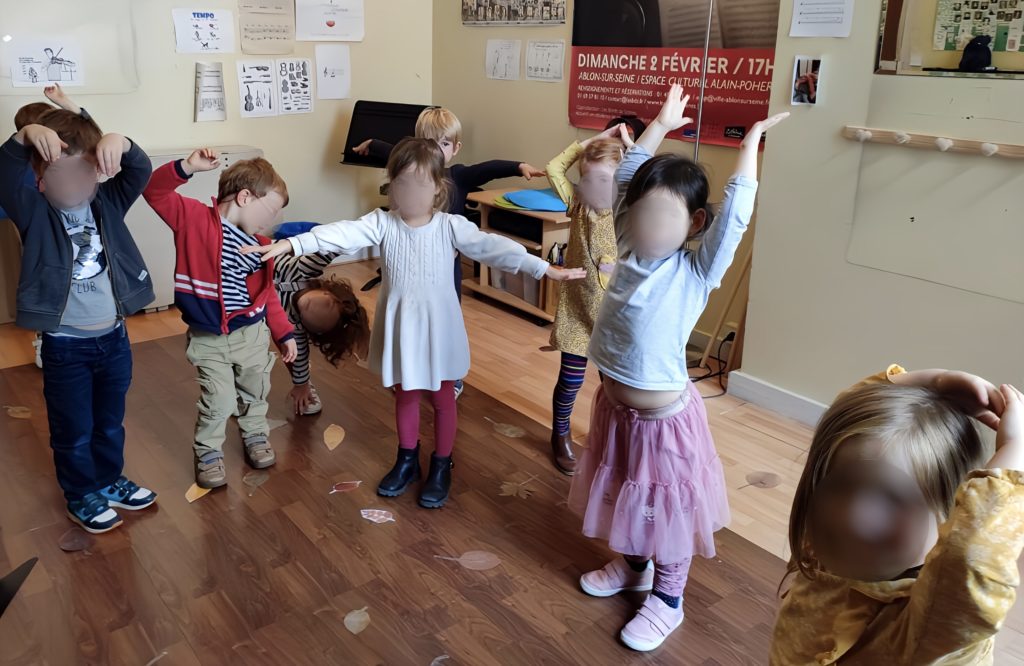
{"x": 393, "y": 63}
{"x": 816, "y": 322}
{"x": 528, "y": 120}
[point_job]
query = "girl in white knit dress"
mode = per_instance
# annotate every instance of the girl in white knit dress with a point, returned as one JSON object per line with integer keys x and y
{"x": 418, "y": 343}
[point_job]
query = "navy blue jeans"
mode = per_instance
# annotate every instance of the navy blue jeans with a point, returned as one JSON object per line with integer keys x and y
{"x": 85, "y": 381}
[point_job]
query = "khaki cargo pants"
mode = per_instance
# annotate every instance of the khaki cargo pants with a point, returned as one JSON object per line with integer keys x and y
{"x": 234, "y": 377}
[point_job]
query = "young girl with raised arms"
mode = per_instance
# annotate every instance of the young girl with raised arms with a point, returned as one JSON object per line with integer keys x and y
{"x": 418, "y": 342}
{"x": 650, "y": 481}
{"x": 906, "y": 530}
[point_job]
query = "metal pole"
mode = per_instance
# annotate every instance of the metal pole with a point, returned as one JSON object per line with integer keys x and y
{"x": 703, "y": 81}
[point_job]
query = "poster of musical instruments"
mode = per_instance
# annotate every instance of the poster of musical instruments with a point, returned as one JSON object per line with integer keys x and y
{"x": 275, "y": 87}
{"x": 42, "y": 62}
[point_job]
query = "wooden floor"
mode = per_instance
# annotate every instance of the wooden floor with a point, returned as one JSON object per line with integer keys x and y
{"x": 268, "y": 578}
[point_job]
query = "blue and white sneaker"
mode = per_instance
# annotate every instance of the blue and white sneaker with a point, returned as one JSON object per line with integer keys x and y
{"x": 93, "y": 513}
{"x": 459, "y": 388}
{"x": 125, "y": 494}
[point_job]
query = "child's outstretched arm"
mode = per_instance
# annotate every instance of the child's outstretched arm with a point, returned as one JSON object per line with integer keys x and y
{"x": 505, "y": 254}
{"x": 337, "y": 237}
{"x": 375, "y": 148}
{"x": 160, "y": 194}
{"x": 969, "y": 580}
{"x": 718, "y": 247}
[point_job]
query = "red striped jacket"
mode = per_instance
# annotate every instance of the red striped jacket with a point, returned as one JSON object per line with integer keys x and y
{"x": 198, "y": 241}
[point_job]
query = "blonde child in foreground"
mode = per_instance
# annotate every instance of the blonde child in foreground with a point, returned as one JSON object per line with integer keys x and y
{"x": 650, "y": 481}
{"x": 418, "y": 342}
{"x": 905, "y": 533}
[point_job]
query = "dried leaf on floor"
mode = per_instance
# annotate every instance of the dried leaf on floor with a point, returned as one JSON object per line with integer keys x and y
{"x": 195, "y": 492}
{"x": 513, "y": 489}
{"x": 547, "y": 348}
{"x": 74, "y": 540}
{"x": 474, "y": 560}
{"x": 357, "y": 620}
{"x": 377, "y": 515}
{"x": 255, "y": 479}
{"x": 17, "y": 412}
{"x": 507, "y": 429}
{"x": 333, "y": 436}
{"x": 344, "y": 487}
{"x": 762, "y": 480}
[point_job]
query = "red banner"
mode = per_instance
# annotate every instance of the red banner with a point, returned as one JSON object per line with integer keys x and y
{"x": 607, "y": 82}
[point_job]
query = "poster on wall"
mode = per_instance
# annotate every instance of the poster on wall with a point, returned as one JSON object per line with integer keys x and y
{"x": 204, "y": 30}
{"x": 957, "y": 22}
{"x": 502, "y": 59}
{"x": 333, "y": 71}
{"x": 329, "y": 21}
{"x": 513, "y": 12}
{"x": 41, "y": 62}
{"x": 624, "y": 66}
{"x": 544, "y": 60}
{"x": 266, "y": 26}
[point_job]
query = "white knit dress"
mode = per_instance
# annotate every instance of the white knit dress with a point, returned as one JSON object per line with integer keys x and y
{"x": 419, "y": 338}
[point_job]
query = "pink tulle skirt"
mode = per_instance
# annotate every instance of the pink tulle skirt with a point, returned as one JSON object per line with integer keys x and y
{"x": 650, "y": 481}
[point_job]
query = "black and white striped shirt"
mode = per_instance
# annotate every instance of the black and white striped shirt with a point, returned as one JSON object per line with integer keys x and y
{"x": 291, "y": 275}
{"x": 235, "y": 267}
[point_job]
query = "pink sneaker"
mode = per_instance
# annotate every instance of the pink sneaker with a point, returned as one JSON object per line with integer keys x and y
{"x": 653, "y": 623}
{"x": 615, "y": 577}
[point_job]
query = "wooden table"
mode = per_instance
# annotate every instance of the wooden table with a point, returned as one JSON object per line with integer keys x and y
{"x": 554, "y": 229}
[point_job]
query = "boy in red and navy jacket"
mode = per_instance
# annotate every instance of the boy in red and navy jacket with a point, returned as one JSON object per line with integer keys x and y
{"x": 227, "y": 299}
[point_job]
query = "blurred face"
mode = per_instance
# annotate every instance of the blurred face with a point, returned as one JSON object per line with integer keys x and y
{"x": 661, "y": 223}
{"x": 70, "y": 182}
{"x": 597, "y": 185}
{"x": 318, "y": 310}
{"x": 254, "y": 214}
{"x": 870, "y": 520}
{"x": 412, "y": 193}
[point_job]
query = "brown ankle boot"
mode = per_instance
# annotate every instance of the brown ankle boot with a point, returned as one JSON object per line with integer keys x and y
{"x": 561, "y": 451}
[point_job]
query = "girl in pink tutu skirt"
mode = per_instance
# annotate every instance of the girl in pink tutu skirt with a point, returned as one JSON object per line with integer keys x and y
{"x": 650, "y": 481}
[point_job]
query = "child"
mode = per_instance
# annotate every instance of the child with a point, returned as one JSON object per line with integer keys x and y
{"x": 591, "y": 246}
{"x": 29, "y": 115}
{"x": 81, "y": 275}
{"x": 444, "y": 127}
{"x": 419, "y": 343}
{"x": 228, "y": 301}
{"x": 650, "y": 481}
{"x": 325, "y": 312}
{"x": 904, "y": 540}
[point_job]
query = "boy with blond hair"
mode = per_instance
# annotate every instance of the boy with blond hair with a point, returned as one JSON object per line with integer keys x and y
{"x": 228, "y": 301}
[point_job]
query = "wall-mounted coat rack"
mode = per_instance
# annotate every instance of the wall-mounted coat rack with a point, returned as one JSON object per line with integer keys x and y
{"x": 933, "y": 142}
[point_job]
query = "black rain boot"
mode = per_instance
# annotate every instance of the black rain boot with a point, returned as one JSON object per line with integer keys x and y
{"x": 439, "y": 481}
{"x": 405, "y": 471}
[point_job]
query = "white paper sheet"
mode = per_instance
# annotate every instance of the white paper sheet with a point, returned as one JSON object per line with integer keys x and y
{"x": 821, "y": 18}
{"x": 333, "y": 71}
{"x": 211, "y": 102}
{"x": 40, "y": 62}
{"x": 295, "y": 85}
{"x": 544, "y": 60}
{"x": 257, "y": 94}
{"x": 204, "y": 30}
{"x": 266, "y": 27}
{"x": 503, "y": 57}
{"x": 329, "y": 21}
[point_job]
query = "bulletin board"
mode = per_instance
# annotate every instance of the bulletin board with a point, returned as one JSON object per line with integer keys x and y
{"x": 93, "y": 41}
{"x": 951, "y": 219}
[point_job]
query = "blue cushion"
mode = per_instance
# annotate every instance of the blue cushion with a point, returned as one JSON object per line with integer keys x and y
{"x": 539, "y": 200}
{"x": 289, "y": 229}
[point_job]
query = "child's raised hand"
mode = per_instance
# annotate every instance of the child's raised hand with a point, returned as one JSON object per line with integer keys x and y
{"x": 201, "y": 159}
{"x": 108, "y": 153}
{"x": 289, "y": 351}
{"x": 624, "y": 136}
{"x": 762, "y": 126}
{"x": 564, "y": 274}
{"x": 363, "y": 148}
{"x": 44, "y": 140}
{"x": 529, "y": 172}
{"x": 972, "y": 395}
{"x": 673, "y": 112}
{"x": 268, "y": 252}
{"x": 57, "y": 95}
{"x": 1011, "y": 425}
{"x": 610, "y": 133}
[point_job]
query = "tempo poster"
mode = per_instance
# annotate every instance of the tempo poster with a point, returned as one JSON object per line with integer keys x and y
{"x": 624, "y": 67}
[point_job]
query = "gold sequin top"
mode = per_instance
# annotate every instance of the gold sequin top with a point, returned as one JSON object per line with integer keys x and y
{"x": 591, "y": 246}
{"x": 948, "y": 615}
